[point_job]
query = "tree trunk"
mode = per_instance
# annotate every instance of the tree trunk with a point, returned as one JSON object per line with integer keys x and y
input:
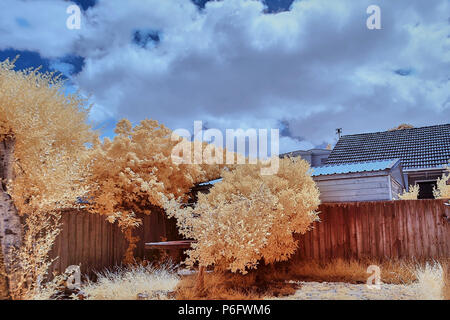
{"x": 10, "y": 226}
{"x": 200, "y": 282}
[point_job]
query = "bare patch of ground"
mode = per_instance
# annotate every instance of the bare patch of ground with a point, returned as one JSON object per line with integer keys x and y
{"x": 347, "y": 291}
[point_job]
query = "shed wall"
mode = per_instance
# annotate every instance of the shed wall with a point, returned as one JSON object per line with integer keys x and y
{"x": 397, "y": 188}
{"x": 338, "y": 189}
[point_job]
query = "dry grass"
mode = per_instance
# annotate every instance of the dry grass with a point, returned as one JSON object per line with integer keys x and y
{"x": 446, "y": 268}
{"x": 232, "y": 286}
{"x": 335, "y": 280}
{"x": 127, "y": 283}
{"x": 431, "y": 282}
{"x": 421, "y": 280}
{"x": 392, "y": 272}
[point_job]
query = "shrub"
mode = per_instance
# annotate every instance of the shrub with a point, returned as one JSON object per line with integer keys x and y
{"x": 442, "y": 189}
{"x": 412, "y": 194}
{"x": 43, "y": 153}
{"x": 32, "y": 258}
{"x": 249, "y": 217}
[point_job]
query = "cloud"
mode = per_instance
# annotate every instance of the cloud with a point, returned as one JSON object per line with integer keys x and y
{"x": 38, "y": 26}
{"x": 313, "y": 68}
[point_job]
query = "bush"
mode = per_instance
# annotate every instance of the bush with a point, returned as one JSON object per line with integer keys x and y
{"x": 412, "y": 194}
{"x": 443, "y": 189}
{"x": 249, "y": 217}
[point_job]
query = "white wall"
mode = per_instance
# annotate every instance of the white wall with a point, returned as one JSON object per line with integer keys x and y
{"x": 339, "y": 189}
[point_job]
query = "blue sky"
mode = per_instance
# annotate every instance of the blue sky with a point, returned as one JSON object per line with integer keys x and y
{"x": 305, "y": 66}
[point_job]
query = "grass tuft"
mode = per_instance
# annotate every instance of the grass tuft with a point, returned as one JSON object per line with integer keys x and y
{"x": 430, "y": 283}
{"x": 127, "y": 283}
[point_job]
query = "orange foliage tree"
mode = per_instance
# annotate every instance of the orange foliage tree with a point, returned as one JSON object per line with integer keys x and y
{"x": 136, "y": 170}
{"x": 248, "y": 217}
{"x": 402, "y": 127}
{"x": 43, "y": 153}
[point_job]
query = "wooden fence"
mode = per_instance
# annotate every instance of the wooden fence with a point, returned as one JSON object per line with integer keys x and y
{"x": 378, "y": 230}
{"x": 411, "y": 229}
{"x": 90, "y": 241}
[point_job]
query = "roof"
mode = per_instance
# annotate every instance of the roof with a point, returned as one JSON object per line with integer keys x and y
{"x": 210, "y": 182}
{"x": 297, "y": 153}
{"x": 424, "y": 147}
{"x": 369, "y": 166}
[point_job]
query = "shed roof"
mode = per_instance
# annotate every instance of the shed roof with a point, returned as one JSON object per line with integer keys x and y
{"x": 424, "y": 147}
{"x": 210, "y": 182}
{"x": 368, "y": 166}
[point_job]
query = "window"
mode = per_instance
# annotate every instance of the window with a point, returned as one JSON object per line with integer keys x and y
{"x": 426, "y": 189}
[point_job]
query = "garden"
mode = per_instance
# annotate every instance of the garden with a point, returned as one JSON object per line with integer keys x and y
{"x": 243, "y": 230}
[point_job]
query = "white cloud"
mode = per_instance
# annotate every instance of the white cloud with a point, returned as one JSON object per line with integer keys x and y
{"x": 36, "y": 26}
{"x": 316, "y": 67}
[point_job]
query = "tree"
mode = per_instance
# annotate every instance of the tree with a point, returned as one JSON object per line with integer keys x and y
{"x": 248, "y": 217}
{"x": 135, "y": 171}
{"x": 402, "y": 126}
{"x": 43, "y": 137}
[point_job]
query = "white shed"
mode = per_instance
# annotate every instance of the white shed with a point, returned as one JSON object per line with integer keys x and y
{"x": 360, "y": 181}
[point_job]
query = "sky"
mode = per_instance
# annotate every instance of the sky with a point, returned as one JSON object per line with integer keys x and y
{"x": 305, "y": 67}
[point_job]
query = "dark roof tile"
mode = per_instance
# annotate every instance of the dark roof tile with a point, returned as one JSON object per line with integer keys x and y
{"x": 424, "y": 147}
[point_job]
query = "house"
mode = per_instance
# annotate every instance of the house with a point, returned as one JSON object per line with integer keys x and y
{"x": 424, "y": 152}
{"x": 377, "y": 166}
{"x": 361, "y": 181}
{"x": 315, "y": 157}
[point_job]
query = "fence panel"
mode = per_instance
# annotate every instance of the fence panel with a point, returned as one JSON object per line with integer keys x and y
{"x": 90, "y": 241}
{"x": 414, "y": 229}
{"x": 355, "y": 230}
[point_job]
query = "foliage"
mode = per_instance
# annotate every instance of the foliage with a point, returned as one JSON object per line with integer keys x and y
{"x": 402, "y": 126}
{"x": 52, "y": 289}
{"x": 249, "y": 217}
{"x": 3, "y": 278}
{"x": 442, "y": 189}
{"x": 412, "y": 194}
{"x": 51, "y": 133}
{"x": 32, "y": 262}
{"x": 51, "y": 136}
{"x": 135, "y": 170}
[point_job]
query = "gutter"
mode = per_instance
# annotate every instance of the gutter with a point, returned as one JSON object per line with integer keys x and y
{"x": 424, "y": 169}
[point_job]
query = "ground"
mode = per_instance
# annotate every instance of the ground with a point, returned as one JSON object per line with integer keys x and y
{"x": 347, "y": 291}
